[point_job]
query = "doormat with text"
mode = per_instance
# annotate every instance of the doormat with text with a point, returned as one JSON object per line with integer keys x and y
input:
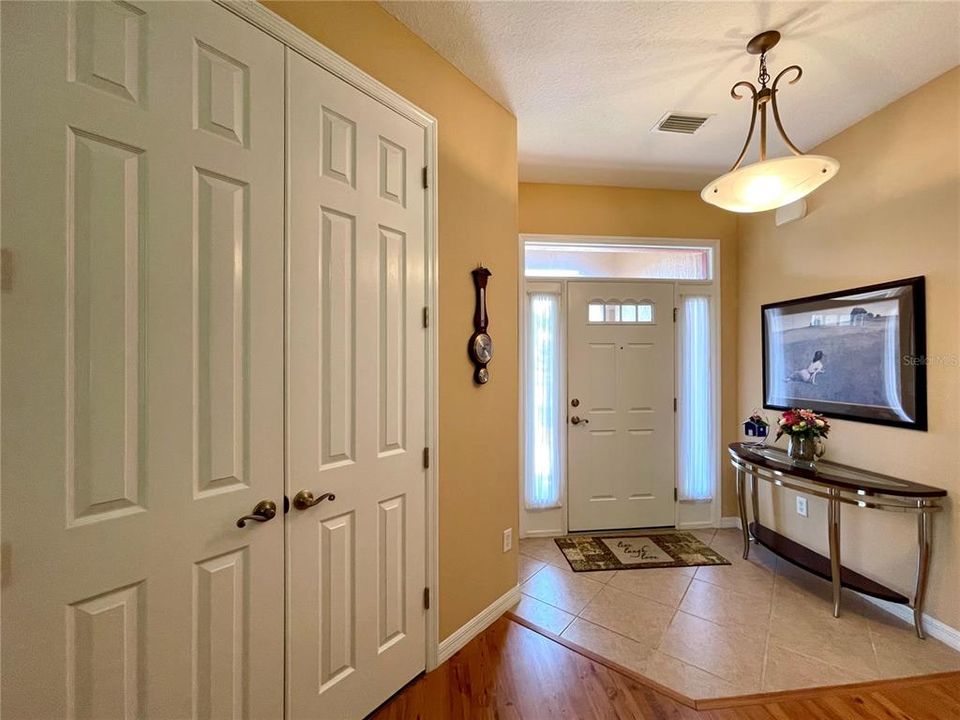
{"x": 652, "y": 550}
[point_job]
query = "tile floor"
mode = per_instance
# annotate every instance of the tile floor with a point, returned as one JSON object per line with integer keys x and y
{"x": 758, "y": 625}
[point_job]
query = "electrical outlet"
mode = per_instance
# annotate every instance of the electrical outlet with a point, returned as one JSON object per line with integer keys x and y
{"x": 507, "y": 539}
{"x": 802, "y": 506}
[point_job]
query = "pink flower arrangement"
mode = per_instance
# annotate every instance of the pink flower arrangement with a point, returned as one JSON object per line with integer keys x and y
{"x": 802, "y": 423}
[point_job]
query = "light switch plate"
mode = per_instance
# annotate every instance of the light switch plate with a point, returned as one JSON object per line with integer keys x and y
{"x": 802, "y": 506}
{"x": 507, "y": 539}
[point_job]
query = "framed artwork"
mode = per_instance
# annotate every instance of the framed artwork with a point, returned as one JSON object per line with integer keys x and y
{"x": 855, "y": 354}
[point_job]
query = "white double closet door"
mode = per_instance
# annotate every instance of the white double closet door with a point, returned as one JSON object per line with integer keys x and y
{"x": 169, "y": 362}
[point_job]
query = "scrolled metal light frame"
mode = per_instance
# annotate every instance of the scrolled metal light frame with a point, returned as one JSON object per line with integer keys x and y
{"x": 774, "y": 182}
{"x": 763, "y": 96}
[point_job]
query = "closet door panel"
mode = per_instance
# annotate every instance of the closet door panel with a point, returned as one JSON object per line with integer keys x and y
{"x": 356, "y": 397}
{"x": 142, "y": 382}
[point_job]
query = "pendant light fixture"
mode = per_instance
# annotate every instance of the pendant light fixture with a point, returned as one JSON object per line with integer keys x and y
{"x": 773, "y": 183}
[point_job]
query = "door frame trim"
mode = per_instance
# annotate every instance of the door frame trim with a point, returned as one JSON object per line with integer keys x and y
{"x": 292, "y": 37}
{"x": 710, "y": 288}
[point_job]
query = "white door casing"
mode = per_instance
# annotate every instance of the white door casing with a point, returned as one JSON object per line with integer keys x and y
{"x": 142, "y": 375}
{"x": 356, "y": 397}
{"x": 621, "y": 455}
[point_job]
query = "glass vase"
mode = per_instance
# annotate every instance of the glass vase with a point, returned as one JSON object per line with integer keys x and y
{"x": 804, "y": 449}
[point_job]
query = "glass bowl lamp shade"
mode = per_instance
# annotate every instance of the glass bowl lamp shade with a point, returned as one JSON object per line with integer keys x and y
{"x": 767, "y": 184}
{"x": 770, "y": 184}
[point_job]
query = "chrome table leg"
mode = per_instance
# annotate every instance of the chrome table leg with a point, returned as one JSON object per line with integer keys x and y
{"x": 924, "y": 521}
{"x": 755, "y": 503}
{"x": 742, "y": 503}
{"x": 834, "y": 523}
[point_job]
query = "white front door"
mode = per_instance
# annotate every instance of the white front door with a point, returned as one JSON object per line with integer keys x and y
{"x": 356, "y": 397}
{"x": 620, "y": 396}
{"x": 142, "y": 379}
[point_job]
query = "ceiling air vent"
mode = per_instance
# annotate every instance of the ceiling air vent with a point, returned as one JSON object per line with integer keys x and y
{"x": 683, "y": 123}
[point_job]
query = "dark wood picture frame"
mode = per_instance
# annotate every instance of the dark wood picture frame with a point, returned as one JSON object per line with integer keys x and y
{"x": 850, "y": 338}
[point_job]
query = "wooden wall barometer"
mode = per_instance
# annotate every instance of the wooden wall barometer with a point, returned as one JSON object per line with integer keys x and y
{"x": 480, "y": 346}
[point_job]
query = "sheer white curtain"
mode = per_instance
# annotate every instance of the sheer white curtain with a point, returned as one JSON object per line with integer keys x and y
{"x": 543, "y": 462}
{"x": 697, "y": 465}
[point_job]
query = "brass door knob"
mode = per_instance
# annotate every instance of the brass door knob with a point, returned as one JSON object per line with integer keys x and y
{"x": 262, "y": 511}
{"x": 305, "y": 499}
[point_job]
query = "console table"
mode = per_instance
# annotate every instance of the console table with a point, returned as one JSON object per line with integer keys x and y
{"x": 839, "y": 485}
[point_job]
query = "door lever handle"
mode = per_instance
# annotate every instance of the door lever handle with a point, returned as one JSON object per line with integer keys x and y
{"x": 305, "y": 499}
{"x": 262, "y": 511}
{"x": 575, "y": 420}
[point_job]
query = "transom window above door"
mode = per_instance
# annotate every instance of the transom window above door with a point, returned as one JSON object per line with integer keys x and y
{"x": 614, "y": 311}
{"x": 617, "y": 260}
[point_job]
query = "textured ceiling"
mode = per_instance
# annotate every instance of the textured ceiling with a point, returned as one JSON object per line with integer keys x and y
{"x": 588, "y": 80}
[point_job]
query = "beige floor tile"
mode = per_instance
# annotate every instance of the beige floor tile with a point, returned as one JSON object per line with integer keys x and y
{"x": 732, "y": 653}
{"x": 760, "y": 556}
{"x": 760, "y": 624}
{"x": 865, "y": 608}
{"x": 690, "y": 680}
{"x": 729, "y": 543}
{"x": 705, "y": 536}
{"x": 543, "y": 549}
{"x": 546, "y": 550}
{"x": 809, "y": 592}
{"x": 900, "y": 653}
{"x": 792, "y": 578}
{"x": 812, "y": 592}
{"x": 662, "y": 585}
{"x": 638, "y": 618}
{"x": 600, "y": 576}
{"x": 727, "y": 607}
{"x": 561, "y": 588}
{"x": 787, "y": 670}
{"x": 608, "y": 644}
{"x": 741, "y": 575}
{"x": 728, "y": 538}
{"x": 817, "y": 592}
{"x": 597, "y": 576}
{"x": 542, "y": 615}
{"x": 804, "y": 623}
{"x": 527, "y": 567}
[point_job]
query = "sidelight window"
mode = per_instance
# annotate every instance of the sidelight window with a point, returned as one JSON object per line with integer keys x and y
{"x": 543, "y": 422}
{"x": 697, "y": 458}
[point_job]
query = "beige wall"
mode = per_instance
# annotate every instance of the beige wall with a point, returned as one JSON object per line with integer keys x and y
{"x": 893, "y": 211}
{"x": 478, "y": 223}
{"x": 596, "y": 210}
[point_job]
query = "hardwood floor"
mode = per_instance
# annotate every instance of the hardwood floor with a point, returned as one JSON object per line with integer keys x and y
{"x": 512, "y": 672}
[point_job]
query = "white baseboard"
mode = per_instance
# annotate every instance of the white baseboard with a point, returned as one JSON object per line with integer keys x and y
{"x": 732, "y": 521}
{"x": 698, "y": 525}
{"x": 477, "y": 625}
{"x": 543, "y": 533}
{"x": 931, "y": 626}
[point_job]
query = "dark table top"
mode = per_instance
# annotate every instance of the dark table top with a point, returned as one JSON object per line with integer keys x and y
{"x": 832, "y": 474}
